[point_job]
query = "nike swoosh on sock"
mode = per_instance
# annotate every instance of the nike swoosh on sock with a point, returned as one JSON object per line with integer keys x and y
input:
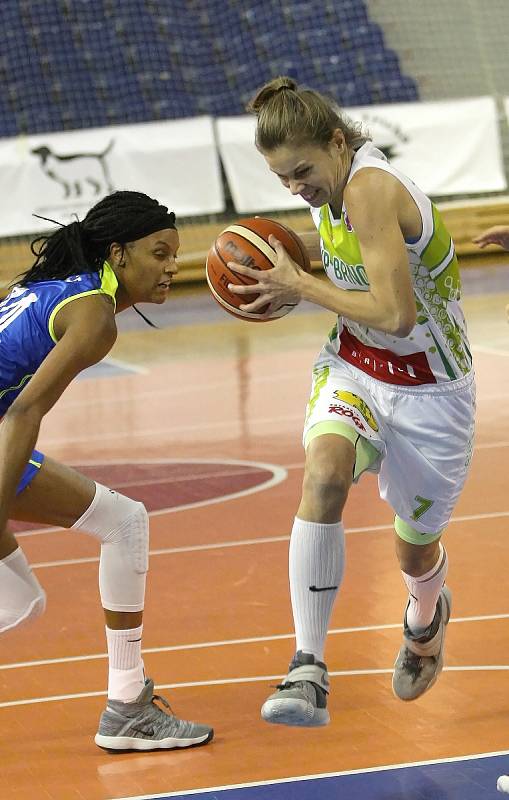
{"x": 322, "y": 588}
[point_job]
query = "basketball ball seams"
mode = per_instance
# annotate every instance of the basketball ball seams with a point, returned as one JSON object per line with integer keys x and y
{"x": 211, "y": 271}
{"x": 243, "y": 279}
{"x": 246, "y": 242}
{"x": 256, "y": 240}
{"x": 253, "y": 316}
{"x": 295, "y": 238}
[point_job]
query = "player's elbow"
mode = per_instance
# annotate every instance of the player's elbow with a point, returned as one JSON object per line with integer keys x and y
{"x": 403, "y": 322}
{"x": 23, "y": 413}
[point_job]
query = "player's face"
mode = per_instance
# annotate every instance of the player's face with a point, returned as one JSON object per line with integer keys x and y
{"x": 149, "y": 265}
{"x": 314, "y": 172}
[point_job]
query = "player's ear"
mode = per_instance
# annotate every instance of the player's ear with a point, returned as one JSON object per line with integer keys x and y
{"x": 116, "y": 255}
{"x": 338, "y": 139}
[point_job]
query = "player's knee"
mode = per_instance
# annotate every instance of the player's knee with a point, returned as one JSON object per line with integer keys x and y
{"x": 132, "y": 533}
{"x": 327, "y": 481}
{"x": 23, "y": 609}
{"x": 417, "y": 551}
{"x": 118, "y": 521}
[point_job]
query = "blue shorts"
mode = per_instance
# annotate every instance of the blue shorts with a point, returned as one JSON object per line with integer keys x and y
{"x": 31, "y": 470}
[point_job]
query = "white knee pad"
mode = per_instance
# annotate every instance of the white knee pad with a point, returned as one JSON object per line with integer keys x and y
{"x": 22, "y": 597}
{"x": 121, "y": 525}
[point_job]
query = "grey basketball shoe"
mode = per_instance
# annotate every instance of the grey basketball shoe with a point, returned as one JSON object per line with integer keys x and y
{"x": 420, "y": 660}
{"x": 301, "y": 699}
{"x": 142, "y": 725}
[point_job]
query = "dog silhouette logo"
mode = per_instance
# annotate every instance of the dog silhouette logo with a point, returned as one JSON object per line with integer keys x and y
{"x": 78, "y": 174}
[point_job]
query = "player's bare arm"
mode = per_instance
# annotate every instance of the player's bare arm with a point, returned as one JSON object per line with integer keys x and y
{"x": 86, "y": 332}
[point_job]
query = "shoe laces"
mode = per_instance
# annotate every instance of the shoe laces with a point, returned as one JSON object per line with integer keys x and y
{"x": 301, "y": 686}
{"x": 411, "y": 663}
{"x": 164, "y": 702}
{"x": 286, "y": 685}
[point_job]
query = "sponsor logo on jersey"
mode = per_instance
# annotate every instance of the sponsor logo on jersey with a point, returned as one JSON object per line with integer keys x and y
{"x": 358, "y": 403}
{"x": 409, "y": 370}
{"x": 347, "y": 412}
{"x": 348, "y": 224}
{"x": 354, "y": 274}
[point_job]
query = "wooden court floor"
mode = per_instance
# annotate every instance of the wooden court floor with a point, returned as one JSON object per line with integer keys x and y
{"x": 202, "y": 420}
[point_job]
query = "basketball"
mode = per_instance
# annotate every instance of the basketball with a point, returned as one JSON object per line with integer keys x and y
{"x": 247, "y": 242}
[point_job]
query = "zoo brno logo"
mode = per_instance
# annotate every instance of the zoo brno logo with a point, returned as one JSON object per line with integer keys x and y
{"x": 83, "y": 176}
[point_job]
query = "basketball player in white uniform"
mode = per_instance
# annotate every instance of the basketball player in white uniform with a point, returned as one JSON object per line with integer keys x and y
{"x": 393, "y": 387}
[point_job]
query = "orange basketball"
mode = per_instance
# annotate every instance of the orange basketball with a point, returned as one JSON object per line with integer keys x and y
{"x": 247, "y": 242}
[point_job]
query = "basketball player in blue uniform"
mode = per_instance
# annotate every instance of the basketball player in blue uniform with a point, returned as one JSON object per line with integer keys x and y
{"x": 57, "y": 320}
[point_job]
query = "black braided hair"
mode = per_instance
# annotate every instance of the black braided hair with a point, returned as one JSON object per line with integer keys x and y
{"x": 82, "y": 247}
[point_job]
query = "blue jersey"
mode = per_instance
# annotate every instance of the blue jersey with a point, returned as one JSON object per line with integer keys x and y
{"x": 27, "y": 317}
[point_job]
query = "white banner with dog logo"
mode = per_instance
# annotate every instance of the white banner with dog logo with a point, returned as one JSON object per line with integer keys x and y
{"x": 59, "y": 175}
{"x": 449, "y": 147}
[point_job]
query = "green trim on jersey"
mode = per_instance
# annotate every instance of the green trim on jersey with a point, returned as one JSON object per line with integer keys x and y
{"x": 447, "y": 366}
{"x": 440, "y": 332}
{"x": 366, "y": 454}
{"x": 438, "y": 281}
{"x": 412, "y": 535}
{"x": 320, "y": 377}
{"x": 109, "y": 286}
{"x": 22, "y": 382}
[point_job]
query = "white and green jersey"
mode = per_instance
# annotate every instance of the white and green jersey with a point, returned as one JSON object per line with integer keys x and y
{"x": 437, "y": 349}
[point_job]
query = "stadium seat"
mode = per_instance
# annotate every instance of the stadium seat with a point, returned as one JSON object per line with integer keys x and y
{"x": 78, "y": 64}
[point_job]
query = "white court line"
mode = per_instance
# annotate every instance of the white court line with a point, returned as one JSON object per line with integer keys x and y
{"x": 252, "y": 679}
{"x": 279, "y": 474}
{"x": 127, "y": 365}
{"x": 199, "y": 503}
{"x": 491, "y": 445}
{"x": 212, "y": 426}
{"x": 228, "y": 425}
{"x": 173, "y": 391}
{"x": 231, "y": 642}
{"x": 163, "y": 551}
{"x": 344, "y": 773}
{"x": 170, "y": 391}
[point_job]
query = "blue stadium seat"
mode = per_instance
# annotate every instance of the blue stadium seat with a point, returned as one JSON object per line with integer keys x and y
{"x": 263, "y": 17}
{"x": 302, "y": 70}
{"x": 350, "y": 92}
{"x": 334, "y": 42}
{"x": 347, "y": 11}
{"x": 220, "y": 104}
{"x": 395, "y": 90}
{"x": 83, "y": 63}
{"x": 175, "y": 106}
{"x": 247, "y": 77}
{"x": 308, "y": 14}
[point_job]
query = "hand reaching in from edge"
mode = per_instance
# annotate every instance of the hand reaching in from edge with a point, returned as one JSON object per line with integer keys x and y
{"x": 499, "y": 234}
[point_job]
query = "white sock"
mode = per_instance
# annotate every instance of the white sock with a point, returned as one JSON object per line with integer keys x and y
{"x": 424, "y": 592}
{"x": 316, "y": 571}
{"x": 126, "y": 676}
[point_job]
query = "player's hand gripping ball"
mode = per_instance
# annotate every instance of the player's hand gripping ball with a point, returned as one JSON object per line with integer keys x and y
{"x": 246, "y": 242}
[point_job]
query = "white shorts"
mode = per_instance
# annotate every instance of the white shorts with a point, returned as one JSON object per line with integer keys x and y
{"x": 424, "y": 435}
